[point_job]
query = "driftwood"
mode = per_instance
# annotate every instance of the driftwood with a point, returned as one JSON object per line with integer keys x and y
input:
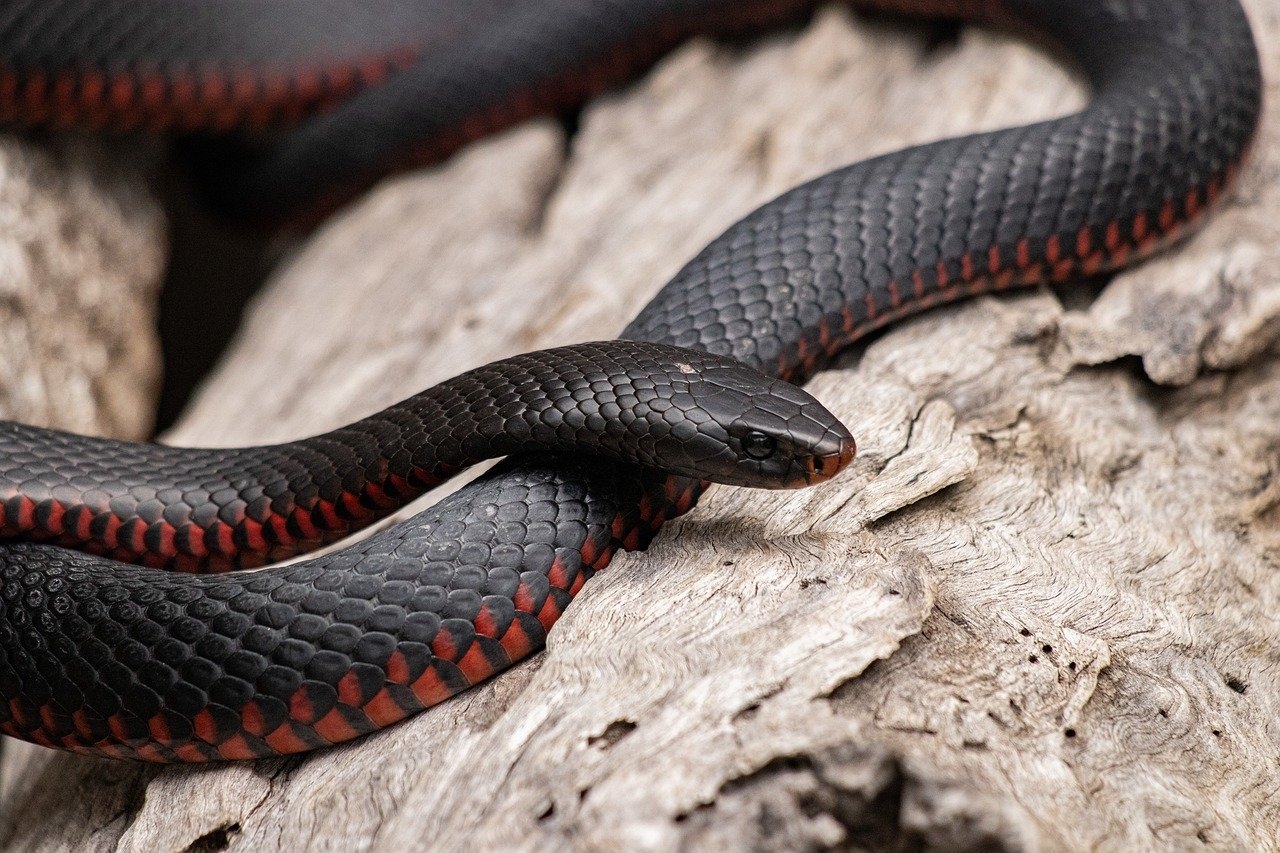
{"x": 81, "y": 251}
{"x": 1041, "y": 610}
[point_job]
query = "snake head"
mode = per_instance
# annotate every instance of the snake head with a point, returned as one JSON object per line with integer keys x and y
{"x": 779, "y": 437}
{"x": 732, "y": 424}
{"x": 683, "y": 411}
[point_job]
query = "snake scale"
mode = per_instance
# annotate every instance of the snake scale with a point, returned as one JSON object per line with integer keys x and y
{"x": 114, "y": 660}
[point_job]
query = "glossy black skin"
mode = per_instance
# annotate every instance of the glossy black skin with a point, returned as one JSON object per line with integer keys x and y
{"x": 446, "y": 71}
{"x": 681, "y": 411}
{"x": 168, "y": 670}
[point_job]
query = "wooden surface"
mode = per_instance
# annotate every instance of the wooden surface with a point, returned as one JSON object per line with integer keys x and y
{"x": 81, "y": 252}
{"x": 1040, "y": 611}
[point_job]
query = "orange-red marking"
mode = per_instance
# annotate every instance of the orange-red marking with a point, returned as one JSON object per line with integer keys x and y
{"x": 382, "y": 710}
{"x": 286, "y": 741}
{"x": 334, "y": 727}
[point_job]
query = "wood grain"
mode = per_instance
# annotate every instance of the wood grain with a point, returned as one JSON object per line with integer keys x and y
{"x": 1040, "y": 611}
{"x": 81, "y": 253}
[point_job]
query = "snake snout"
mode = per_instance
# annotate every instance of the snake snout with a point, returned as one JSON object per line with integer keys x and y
{"x": 830, "y": 458}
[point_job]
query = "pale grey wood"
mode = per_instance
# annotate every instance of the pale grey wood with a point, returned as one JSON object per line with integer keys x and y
{"x": 1039, "y": 612}
{"x": 81, "y": 252}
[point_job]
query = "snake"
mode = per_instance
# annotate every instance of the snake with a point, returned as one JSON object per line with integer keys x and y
{"x": 213, "y": 509}
{"x": 111, "y": 659}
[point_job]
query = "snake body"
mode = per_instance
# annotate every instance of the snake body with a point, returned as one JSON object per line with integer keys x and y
{"x": 107, "y": 659}
{"x": 212, "y": 509}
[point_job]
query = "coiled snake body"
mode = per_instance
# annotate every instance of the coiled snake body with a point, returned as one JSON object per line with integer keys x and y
{"x": 113, "y": 660}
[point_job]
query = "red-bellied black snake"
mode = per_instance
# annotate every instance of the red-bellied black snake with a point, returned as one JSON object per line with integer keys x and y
{"x": 109, "y": 659}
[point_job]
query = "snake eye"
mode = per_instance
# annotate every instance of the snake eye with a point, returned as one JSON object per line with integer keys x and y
{"x": 758, "y": 445}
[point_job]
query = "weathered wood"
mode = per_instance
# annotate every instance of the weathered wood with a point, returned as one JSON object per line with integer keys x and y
{"x": 81, "y": 252}
{"x": 1039, "y": 612}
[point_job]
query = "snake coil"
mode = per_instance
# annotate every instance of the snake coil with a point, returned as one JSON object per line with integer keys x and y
{"x": 113, "y": 660}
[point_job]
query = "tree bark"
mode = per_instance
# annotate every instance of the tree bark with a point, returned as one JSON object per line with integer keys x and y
{"x": 1039, "y": 612}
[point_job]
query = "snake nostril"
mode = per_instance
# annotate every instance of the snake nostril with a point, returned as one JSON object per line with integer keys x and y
{"x": 826, "y": 465}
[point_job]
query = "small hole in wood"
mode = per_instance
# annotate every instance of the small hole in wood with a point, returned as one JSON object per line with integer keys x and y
{"x": 216, "y": 840}
{"x": 613, "y": 733}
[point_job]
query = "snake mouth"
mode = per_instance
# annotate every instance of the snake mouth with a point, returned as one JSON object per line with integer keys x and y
{"x": 823, "y": 466}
